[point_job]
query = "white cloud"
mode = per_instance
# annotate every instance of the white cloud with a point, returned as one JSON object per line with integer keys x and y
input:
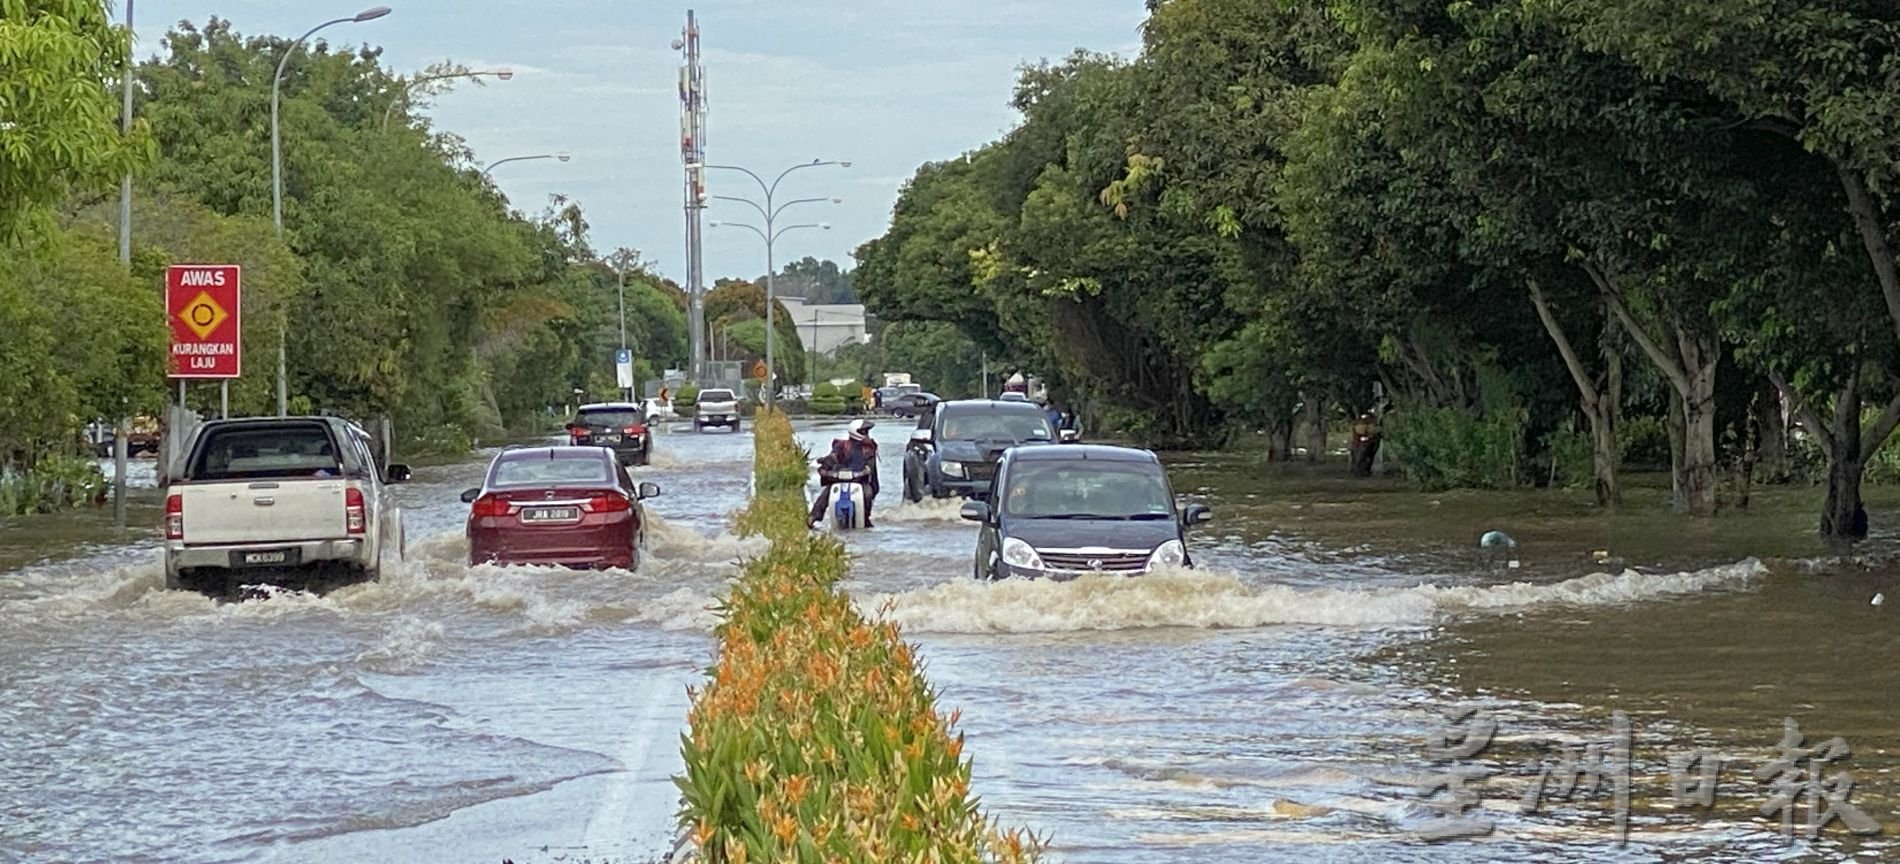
{"x": 888, "y": 84}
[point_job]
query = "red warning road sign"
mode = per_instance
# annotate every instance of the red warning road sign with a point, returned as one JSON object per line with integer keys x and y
{"x": 201, "y": 303}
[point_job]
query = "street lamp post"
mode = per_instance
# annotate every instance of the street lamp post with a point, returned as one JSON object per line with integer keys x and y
{"x": 277, "y": 175}
{"x": 770, "y": 213}
{"x": 503, "y": 74}
{"x": 500, "y": 162}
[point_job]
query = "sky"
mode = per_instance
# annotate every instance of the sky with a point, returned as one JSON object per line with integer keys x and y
{"x": 885, "y": 84}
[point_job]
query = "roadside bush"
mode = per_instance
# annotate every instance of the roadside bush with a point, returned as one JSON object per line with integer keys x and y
{"x": 1572, "y": 457}
{"x": 54, "y": 483}
{"x": 688, "y": 397}
{"x": 817, "y": 738}
{"x": 1445, "y": 448}
{"x": 442, "y": 441}
{"x": 826, "y": 399}
{"x": 1643, "y": 441}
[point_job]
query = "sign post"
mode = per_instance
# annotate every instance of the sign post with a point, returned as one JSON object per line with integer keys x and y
{"x": 623, "y": 369}
{"x": 202, "y": 306}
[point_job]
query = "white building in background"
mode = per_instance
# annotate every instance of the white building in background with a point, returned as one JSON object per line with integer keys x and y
{"x": 824, "y": 327}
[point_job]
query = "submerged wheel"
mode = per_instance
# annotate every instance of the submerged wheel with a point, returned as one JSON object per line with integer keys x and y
{"x": 913, "y": 487}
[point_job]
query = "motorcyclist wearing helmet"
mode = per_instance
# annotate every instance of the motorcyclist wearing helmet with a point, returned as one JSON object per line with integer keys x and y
{"x": 855, "y": 454}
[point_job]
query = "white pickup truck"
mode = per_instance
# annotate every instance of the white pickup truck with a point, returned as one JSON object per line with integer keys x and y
{"x": 257, "y": 499}
{"x": 716, "y": 407}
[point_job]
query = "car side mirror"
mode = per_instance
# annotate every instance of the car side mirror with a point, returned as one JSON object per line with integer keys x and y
{"x": 397, "y": 473}
{"x": 469, "y": 495}
{"x": 920, "y": 436}
{"x": 975, "y": 511}
{"x": 1196, "y": 514}
{"x": 1068, "y": 436}
{"x": 649, "y": 489}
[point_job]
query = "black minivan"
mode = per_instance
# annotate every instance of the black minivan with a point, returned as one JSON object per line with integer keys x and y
{"x": 1063, "y": 512}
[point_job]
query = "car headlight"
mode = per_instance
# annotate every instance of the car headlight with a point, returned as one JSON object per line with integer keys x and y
{"x": 953, "y": 469}
{"x": 1016, "y": 553}
{"x": 1169, "y": 554}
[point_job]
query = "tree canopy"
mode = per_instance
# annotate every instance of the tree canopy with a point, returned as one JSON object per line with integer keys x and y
{"x": 1526, "y": 218}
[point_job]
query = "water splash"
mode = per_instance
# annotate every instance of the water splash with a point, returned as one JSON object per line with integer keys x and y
{"x": 1204, "y": 599}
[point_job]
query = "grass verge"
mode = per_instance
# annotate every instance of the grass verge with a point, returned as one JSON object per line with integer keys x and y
{"x": 817, "y": 737}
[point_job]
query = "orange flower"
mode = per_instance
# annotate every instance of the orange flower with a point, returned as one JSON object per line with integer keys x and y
{"x": 785, "y": 828}
{"x": 796, "y": 786}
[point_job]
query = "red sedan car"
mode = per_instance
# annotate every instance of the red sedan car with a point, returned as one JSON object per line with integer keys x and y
{"x": 565, "y": 506}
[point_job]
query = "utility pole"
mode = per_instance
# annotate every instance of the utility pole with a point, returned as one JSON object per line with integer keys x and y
{"x": 693, "y": 154}
{"x": 124, "y": 428}
{"x": 623, "y": 308}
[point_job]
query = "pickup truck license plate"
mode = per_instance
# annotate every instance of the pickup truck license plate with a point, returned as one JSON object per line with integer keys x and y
{"x": 264, "y": 558}
{"x": 550, "y": 514}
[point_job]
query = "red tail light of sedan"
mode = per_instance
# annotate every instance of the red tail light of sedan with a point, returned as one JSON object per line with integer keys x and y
{"x": 563, "y": 506}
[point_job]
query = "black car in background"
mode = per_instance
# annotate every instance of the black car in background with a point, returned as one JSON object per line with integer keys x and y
{"x": 617, "y": 426}
{"x": 955, "y": 447}
{"x": 1063, "y": 512}
{"x": 911, "y": 404}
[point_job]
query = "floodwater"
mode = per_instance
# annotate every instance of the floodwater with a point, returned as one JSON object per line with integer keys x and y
{"x": 1275, "y": 704}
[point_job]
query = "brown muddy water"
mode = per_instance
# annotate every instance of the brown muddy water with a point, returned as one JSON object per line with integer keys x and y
{"x": 1276, "y": 704}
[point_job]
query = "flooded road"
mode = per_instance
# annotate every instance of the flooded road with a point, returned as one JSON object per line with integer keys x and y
{"x": 1273, "y": 705}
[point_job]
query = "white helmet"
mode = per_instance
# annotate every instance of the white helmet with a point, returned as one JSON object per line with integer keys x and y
{"x": 861, "y": 429}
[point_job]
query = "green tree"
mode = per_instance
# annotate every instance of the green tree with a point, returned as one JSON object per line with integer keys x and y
{"x": 59, "y": 108}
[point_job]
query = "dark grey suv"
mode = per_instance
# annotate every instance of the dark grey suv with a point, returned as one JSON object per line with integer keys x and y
{"x": 955, "y": 447}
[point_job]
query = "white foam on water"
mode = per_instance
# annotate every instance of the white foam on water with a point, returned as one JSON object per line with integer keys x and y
{"x": 672, "y": 542}
{"x": 1207, "y": 599}
{"x": 407, "y": 643}
{"x": 930, "y": 511}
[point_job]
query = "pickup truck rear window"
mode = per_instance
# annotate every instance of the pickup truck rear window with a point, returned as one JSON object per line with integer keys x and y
{"x": 616, "y": 418}
{"x": 715, "y": 396}
{"x": 266, "y": 453}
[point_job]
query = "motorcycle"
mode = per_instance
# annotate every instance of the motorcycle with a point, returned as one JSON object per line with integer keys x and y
{"x": 845, "y": 499}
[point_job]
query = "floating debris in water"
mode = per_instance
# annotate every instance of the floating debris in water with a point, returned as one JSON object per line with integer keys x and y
{"x": 1497, "y": 539}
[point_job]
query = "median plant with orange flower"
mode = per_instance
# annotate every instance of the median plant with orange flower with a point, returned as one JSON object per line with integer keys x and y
{"x": 816, "y": 738}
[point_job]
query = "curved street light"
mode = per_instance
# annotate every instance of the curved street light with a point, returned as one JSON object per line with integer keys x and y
{"x": 277, "y": 173}
{"x": 403, "y": 96}
{"x": 500, "y": 162}
{"x": 771, "y": 212}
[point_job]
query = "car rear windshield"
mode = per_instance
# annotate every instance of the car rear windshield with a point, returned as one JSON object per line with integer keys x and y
{"x": 267, "y": 453}
{"x": 1079, "y": 488}
{"x": 609, "y": 417}
{"x": 1011, "y": 425}
{"x": 541, "y": 471}
{"x": 715, "y": 395}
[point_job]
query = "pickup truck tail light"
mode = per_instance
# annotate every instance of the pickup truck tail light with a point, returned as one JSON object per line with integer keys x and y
{"x": 489, "y": 505}
{"x": 353, "y": 516}
{"x": 611, "y": 502}
{"x": 175, "y": 517}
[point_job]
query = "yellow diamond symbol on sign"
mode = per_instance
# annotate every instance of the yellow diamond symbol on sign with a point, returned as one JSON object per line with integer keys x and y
{"x": 203, "y": 314}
